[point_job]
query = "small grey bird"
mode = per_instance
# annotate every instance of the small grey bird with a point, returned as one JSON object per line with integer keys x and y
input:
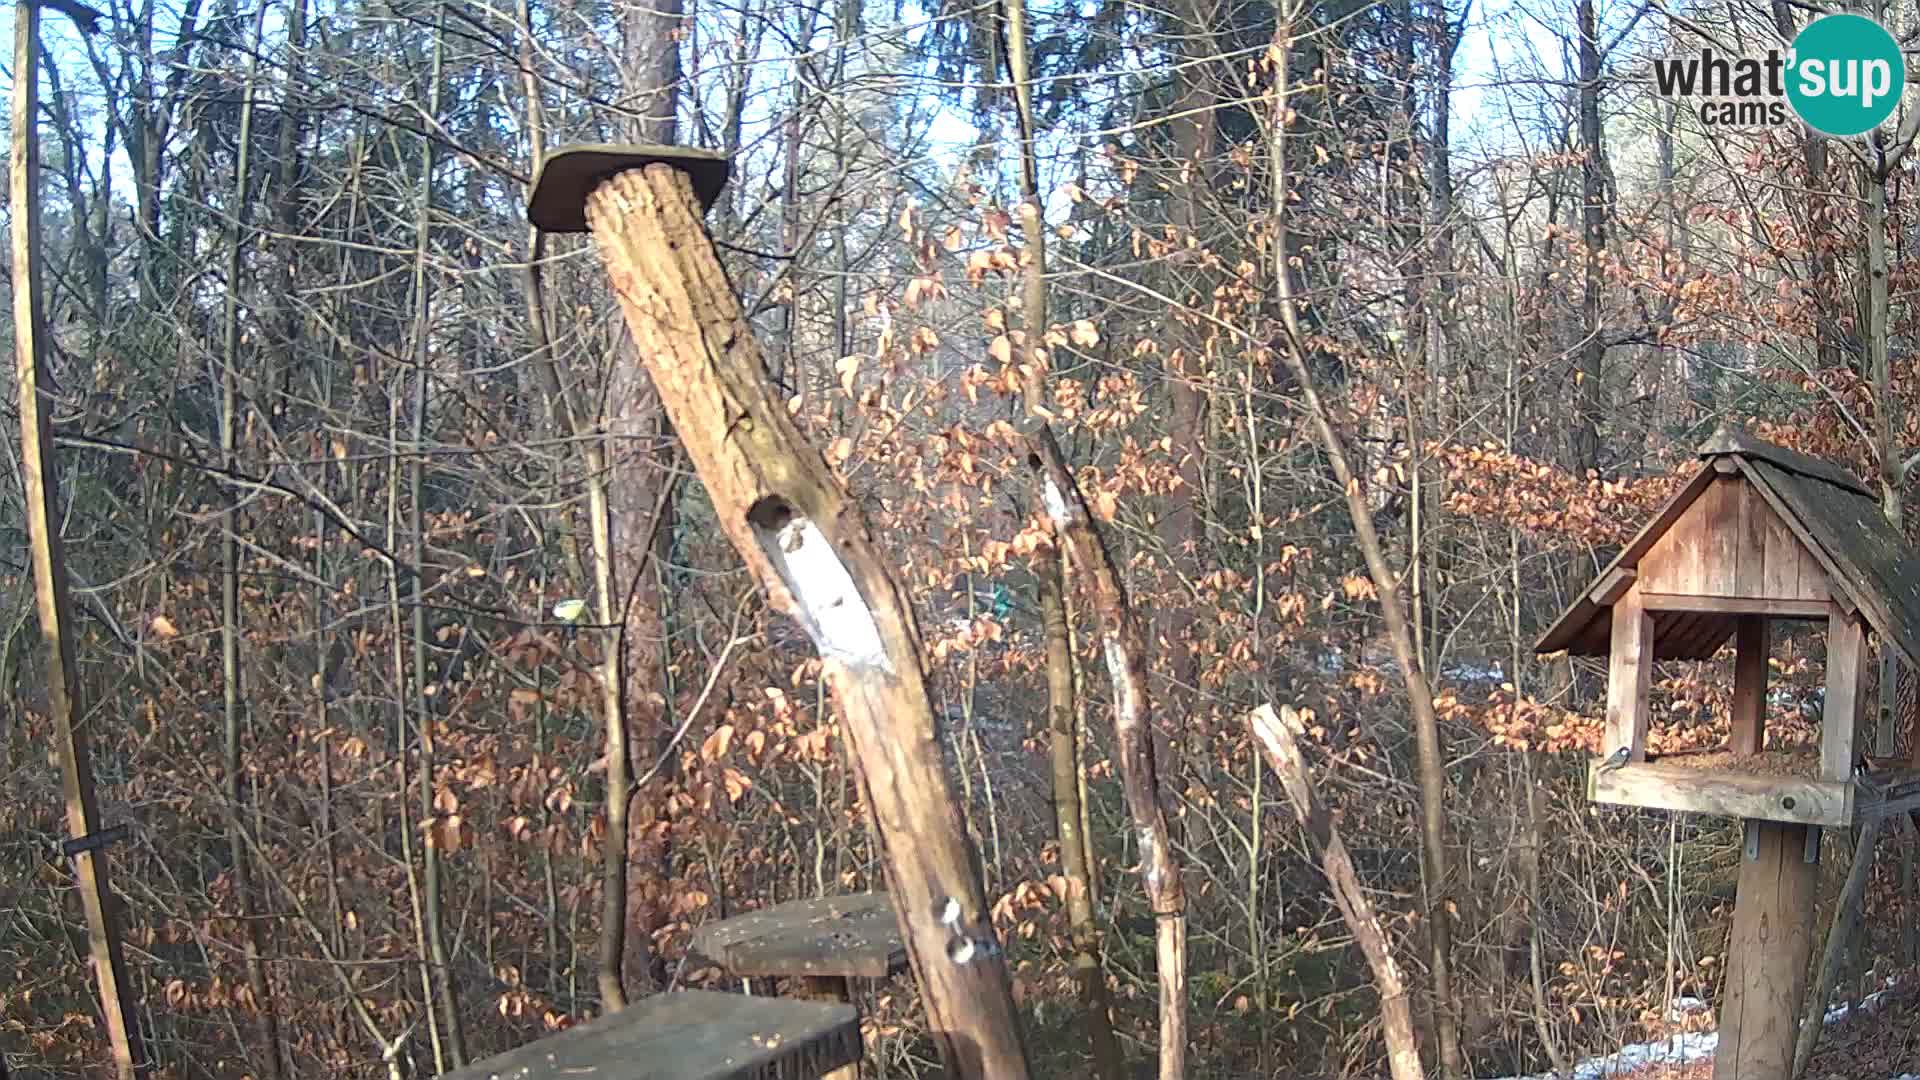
{"x": 1615, "y": 760}
{"x": 1862, "y": 776}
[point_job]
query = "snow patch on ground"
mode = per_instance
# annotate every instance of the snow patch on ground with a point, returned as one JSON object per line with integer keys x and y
{"x": 1689, "y": 1047}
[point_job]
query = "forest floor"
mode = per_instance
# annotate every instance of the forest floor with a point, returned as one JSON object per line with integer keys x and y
{"x": 1877, "y": 1042}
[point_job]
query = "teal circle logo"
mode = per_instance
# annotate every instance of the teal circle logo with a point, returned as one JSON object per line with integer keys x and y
{"x": 1845, "y": 75}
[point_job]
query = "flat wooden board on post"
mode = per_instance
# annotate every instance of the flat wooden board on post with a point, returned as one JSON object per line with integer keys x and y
{"x": 689, "y": 1035}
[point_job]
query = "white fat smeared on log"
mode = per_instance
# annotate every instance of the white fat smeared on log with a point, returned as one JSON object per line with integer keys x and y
{"x": 828, "y": 603}
{"x": 1123, "y": 702}
{"x": 1147, "y": 851}
{"x": 1056, "y": 503}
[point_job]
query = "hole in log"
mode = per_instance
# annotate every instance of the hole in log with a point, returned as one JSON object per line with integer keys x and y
{"x": 1786, "y": 802}
{"x": 827, "y": 602}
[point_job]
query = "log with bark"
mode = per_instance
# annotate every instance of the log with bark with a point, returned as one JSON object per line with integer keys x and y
{"x": 811, "y": 549}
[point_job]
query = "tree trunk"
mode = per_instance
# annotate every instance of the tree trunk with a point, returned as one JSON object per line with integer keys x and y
{"x": 1279, "y": 735}
{"x": 52, "y": 600}
{"x": 1063, "y": 722}
{"x": 1590, "y": 374}
{"x": 1436, "y": 866}
{"x": 233, "y": 705}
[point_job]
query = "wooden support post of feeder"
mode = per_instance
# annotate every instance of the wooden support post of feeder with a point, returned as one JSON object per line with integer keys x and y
{"x": 1767, "y": 952}
{"x": 810, "y": 548}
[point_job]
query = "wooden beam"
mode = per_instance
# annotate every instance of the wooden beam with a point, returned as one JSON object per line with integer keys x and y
{"x": 1723, "y": 793}
{"x": 1612, "y": 585}
{"x": 1629, "y": 677}
{"x": 1738, "y": 605}
{"x": 52, "y": 598}
{"x": 1767, "y": 956}
{"x": 1846, "y": 683}
{"x": 1895, "y": 794}
{"x": 810, "y": 547}
{"x": 1749, "y": 685}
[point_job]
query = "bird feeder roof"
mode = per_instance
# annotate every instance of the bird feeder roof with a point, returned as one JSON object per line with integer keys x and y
{"x": 1831, "y": 515}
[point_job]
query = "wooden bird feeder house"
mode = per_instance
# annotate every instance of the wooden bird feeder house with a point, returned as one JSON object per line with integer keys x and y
{"x": 1755, "y": 535}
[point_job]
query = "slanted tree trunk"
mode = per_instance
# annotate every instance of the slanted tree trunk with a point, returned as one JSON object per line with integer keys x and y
{"x": 52, "y": 600}
{"x": 1279, "y": 736}
{"x": 810, "y": 548}
{"x": 1840, "y": 935}
{"x": 1121, "y": 638}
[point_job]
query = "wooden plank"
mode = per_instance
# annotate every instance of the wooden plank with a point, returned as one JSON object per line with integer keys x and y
{"x": 1568, "y": 630}
{"x": 1629, "y": 676}
{"x": 1767, "y": 955}
{"x": 855, "y": 935}
{"x": 1846, "y": 685}
{"x": 1887, "y": 701}
{"x": 690, "y": 1035}
{"x": 1737, "y": 605}
{"x": 1784, "y": 556}
{"x": 1659, "y": 786}
{"x": 1749, "y": 685}
{"x": 1720, "y": 538}
{"x": 1838, "y": 586}
{"x": 1750, "y": 558}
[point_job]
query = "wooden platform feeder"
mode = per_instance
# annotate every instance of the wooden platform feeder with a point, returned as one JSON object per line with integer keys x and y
{"x": 822, "y": 945}
{"x": 1756, "y": 534}
{"x": 691, "y": 1035}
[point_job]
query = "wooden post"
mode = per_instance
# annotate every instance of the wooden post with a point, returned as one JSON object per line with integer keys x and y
{"x": 1846, "y": 678}
{"x": 1749, "y": 685}
{"x": 51, "y": 597}
{"x": 810, "y": 548}
{"x": 1629, "y": 677}
{"x": 1767, "y": 956}
{"x": 839, "y": 990}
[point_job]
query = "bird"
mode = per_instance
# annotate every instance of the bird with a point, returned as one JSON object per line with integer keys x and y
{"x": 1615, "y": 760}
{"x": 1862, "y": 775}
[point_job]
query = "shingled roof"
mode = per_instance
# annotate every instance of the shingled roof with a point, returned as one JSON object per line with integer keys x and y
{"x": 1868, "y": 565}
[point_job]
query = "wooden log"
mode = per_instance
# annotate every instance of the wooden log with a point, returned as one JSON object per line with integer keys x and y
{"x": 1629, "y": 677}
{"x": 1749, "y": 685}
{"x": 1767, "y": 956}
{"x": 810, "y": 548}
{"x": 690, "y": 1035}
{"x": 1279, "y": 736}
{"x": 1659, "y": 786}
